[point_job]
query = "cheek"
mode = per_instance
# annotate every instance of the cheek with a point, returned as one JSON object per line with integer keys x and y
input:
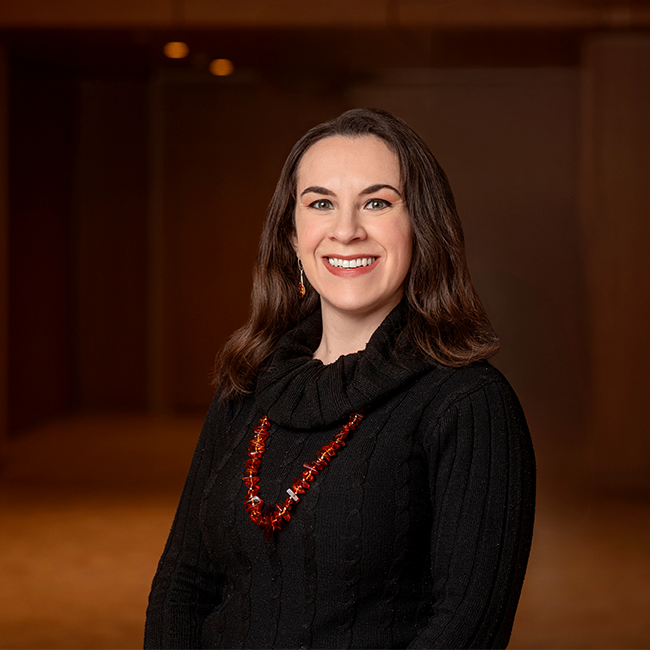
{"x": 308, "y": 235}
{"x": 409, "y": 246}
{"x": 403, "y": 238}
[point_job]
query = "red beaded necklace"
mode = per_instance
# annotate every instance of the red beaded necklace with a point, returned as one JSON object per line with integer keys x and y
{"x": 272, "y": 519}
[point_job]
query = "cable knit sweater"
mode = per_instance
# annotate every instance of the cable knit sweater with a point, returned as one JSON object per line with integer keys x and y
{"x": 416, "y": 535}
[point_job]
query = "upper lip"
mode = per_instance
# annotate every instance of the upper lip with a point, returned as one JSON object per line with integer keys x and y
{"x": 358, "y": 256}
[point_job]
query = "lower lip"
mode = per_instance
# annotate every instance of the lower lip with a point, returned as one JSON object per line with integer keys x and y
{"x": 349, "y": 273}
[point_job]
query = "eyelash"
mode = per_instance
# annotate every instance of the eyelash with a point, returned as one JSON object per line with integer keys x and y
{"x": 328, "y": 204}
{"x": 386, "y": 204}
{"x": 321, "y": 207}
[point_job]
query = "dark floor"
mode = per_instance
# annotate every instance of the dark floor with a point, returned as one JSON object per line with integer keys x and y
{"x": 86, "y": 503}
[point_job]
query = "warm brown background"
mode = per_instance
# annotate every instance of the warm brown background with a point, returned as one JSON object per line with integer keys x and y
{"x": 133, "y": 188}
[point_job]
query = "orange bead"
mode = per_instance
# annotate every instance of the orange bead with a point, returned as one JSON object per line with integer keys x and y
{"x": 297, "y": 486}
{"x": 328, "y": 451}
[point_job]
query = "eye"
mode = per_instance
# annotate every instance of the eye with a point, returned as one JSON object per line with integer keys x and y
{"x": 321, "y": 204}
{"x": 377, "y": 204}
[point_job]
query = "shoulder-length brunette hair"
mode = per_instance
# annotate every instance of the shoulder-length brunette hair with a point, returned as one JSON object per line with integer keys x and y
{"x": 446, "y": 321}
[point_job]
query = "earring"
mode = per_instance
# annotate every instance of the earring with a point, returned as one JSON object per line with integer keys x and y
{"x": 301, "y": 284}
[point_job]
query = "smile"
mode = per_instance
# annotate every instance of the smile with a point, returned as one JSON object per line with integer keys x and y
{"x": 350, "y": 264}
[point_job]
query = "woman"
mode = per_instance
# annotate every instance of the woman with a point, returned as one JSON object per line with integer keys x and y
{"x": 357, "y": 398}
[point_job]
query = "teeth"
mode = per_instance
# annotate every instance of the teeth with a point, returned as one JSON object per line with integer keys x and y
{"x": 351, "y": 264}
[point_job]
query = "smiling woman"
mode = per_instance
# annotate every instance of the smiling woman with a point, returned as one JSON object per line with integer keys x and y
{"x": 354, "y": 245}
{"x": 363, "y": 407}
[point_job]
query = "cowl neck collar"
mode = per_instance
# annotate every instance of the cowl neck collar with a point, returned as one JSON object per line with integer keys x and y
{"x": 299, "y": 392}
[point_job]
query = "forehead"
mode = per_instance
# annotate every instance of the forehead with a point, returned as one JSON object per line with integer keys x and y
{"x": 363, "y": 158}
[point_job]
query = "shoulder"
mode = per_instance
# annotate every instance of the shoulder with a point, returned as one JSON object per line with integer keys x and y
{"x": 220, "y": 416}
{"x": 457, "y": 383}
{"x": 477, "y": 393}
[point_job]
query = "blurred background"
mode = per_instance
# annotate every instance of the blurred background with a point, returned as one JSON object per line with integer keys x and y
{"x": 140, "y": 142}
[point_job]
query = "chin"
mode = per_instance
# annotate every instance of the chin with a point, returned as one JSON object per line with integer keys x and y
{"x": 362, "y": 308}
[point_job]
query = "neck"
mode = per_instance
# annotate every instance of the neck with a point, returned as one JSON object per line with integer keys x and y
{"x": 345, "y": 333}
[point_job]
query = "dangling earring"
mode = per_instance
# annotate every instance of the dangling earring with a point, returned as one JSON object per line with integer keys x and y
{"x": 301, "y": 284}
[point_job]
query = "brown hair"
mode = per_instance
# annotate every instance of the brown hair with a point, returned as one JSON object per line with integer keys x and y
{"x": 446, "y": 321}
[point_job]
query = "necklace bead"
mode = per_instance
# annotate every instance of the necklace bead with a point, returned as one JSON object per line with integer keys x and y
{"x": 272, "y": 519}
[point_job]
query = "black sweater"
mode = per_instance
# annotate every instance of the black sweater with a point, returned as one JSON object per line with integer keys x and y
{"x": 417, "y": 534}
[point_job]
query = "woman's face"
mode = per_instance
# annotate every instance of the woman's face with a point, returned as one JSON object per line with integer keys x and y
{"x": 353, "y": 232}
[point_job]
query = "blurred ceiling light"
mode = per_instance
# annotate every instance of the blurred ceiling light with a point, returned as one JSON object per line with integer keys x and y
{"x": 221, "y": 67}
{"x": 176, "y": 50}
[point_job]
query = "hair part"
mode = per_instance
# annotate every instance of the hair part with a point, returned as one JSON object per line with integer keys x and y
{"x": 446, "y": 320}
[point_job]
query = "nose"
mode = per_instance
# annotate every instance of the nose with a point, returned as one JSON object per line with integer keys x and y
{"x": 347, "y": 225}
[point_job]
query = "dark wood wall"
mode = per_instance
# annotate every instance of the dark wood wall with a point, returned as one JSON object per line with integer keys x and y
{"x": 4, "y": 252}
{"x": 41, "y": 367}
{"x": 615, "y": 211}
{"x": 110, "y": 250}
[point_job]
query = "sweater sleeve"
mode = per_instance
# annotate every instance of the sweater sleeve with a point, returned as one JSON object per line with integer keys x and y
{"x": 186, "y": 588}
{"x": 482, "y": 490}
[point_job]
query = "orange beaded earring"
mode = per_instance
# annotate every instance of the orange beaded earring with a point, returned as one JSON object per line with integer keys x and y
{"x": 301, "y": 284}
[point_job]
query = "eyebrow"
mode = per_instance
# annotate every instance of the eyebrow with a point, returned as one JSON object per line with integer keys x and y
{"x": 317, "y": 189}
{"x": 375, "y": 188}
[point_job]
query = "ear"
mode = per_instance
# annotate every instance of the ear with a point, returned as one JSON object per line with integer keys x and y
{"x": 294, "y": 242}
